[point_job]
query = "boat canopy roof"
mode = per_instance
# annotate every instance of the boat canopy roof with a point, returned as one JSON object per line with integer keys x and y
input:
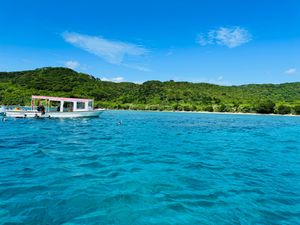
{"x": 59, "y": 99}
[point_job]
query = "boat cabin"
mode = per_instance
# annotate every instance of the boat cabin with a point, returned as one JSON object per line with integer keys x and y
{"x": 57, "y": 104}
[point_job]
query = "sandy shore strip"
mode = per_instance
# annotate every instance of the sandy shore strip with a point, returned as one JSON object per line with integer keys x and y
{"x": 206, "y": 112}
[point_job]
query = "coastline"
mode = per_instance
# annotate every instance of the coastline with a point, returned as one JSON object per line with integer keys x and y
{"x": 206, "y": 112}
{"x": 201, "y": 112}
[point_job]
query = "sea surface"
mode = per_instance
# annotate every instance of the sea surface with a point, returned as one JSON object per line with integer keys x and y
{"x": 151, "y": 168}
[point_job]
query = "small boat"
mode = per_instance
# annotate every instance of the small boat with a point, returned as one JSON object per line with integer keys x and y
{"x": 56, "y": 107}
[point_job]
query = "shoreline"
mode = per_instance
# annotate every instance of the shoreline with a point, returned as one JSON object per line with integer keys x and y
{"x": 201, "y": 112}
{"x": 206, "y": 112}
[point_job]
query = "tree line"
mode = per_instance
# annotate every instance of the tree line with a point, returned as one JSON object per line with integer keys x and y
{"x": 16, "y": 88}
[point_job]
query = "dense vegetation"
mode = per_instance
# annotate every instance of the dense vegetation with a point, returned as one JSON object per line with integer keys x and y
{"x": 16, "y": 88}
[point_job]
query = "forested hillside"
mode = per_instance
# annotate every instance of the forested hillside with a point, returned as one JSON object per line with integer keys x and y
{"x": 17, "y": 87}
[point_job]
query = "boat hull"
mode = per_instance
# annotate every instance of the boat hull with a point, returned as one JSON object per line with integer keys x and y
{"x": 35, "y": 114}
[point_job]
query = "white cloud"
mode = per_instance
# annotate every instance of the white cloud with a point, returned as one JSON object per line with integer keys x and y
{"x": 72, "y": 64}
{"x": 112, "y": 52}
{"x": 138, "y": 82}
{"x": 220, "y": 78}
{"x": 113, "y": 79}
{"x": 228, "y": 36}
{"x": 118, "y": 79}
{"x": 290, "y": 71}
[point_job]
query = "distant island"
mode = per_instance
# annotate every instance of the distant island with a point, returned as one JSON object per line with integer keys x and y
{"x": 16, "y": 88}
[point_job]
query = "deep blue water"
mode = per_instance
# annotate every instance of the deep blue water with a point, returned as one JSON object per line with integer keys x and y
{"x": 151, "y": 168}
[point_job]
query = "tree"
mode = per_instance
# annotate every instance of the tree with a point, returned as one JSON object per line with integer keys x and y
{"x": 245, "y": 108}
{"x": 219, "y": 108}
{"x": 265, "y": 107}
{"x": 208, "y": 108}
{"x": 296, "y": 109}
{"x": 283, "y": 109}
{"x": 17, "y": 88}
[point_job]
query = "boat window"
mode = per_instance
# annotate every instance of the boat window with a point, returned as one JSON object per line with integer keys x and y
{"x": 68, "y": 106}
{"x": 80, "y": 105}
{"x": 90, "y": 105}
{"x": 54, "y": 106}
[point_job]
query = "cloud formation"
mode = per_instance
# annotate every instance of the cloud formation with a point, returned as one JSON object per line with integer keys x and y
{"x": 72, "y": 64}
{"x": 113, "y": 79}
{"x": 113, "y": 52}
{"x": 290, "y": 71}
{"x": 227, "y": 36}
{"x": 220, "y": 78}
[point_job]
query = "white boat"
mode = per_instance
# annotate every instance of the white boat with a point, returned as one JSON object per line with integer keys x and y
{"x": 56, "y": 107}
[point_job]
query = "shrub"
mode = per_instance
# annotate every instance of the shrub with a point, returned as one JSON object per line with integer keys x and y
{"x": 179, "y": 108}
{"x": 265, "y": 107}
{"x": 219, "y": 108}
{"x": 244, "y": 108}
{"x": 205, "y": 108}
{"x": 296, "y": 109}
{"x": 166, "y": 108}
{"x": 283, "y": 109}
{"x": 188, "y": 107}
{"x": 153, "y": 107}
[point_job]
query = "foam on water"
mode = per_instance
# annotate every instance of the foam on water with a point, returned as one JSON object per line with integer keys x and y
{"x": 151, "y": 168}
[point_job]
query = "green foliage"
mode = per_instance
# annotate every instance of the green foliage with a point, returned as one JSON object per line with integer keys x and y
{"x": 207, "y": 108}
{"x": 245, "y": 108}
{"x": 220, "y": 108}
{"x": 265, "y": 107}
{"x": 283, "y": 109}
{"x": 17, "y": 88}
{"x": 296, "y": 109}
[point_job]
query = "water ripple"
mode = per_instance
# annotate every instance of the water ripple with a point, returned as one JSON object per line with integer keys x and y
{"x": 154, "y": 168}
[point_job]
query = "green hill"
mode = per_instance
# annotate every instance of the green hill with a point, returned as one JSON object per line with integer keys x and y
{"x": 17, "y": 87}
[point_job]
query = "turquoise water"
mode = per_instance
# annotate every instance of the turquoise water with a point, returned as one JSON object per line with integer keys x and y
{"x": 151, "y": 168}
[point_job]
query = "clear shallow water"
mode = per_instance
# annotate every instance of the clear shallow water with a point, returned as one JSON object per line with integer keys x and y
{"x": 154, "y": 168}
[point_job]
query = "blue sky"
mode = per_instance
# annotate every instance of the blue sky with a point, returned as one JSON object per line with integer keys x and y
{"x": 224, "y": 42}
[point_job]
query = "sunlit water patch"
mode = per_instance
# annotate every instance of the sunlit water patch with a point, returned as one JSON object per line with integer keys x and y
{"x": 151, "y": 168}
